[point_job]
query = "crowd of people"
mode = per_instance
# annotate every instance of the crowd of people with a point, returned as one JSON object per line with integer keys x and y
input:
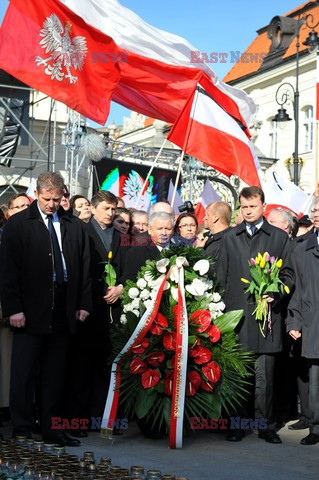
{"x": 58, "y": 312}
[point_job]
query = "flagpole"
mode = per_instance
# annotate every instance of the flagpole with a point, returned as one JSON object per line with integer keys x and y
{"x": 177, "y": 177}
{"x": 149, "y": 174}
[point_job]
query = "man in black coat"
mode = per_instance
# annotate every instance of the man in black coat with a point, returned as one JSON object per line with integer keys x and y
{"x": 239, "y": 244}
{"x": 91, "y": 356}
{"x": 160, "y": 230}
{"x": 303, "y": 317}
{"x": 45, "y": 289}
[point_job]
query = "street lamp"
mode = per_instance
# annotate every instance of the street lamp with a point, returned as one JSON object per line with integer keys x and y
{"x": 286, "y": 92}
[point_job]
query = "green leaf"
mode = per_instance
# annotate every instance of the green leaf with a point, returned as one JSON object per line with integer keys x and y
{"x": 228, "y": 321}
{"x": 192, "y": 339}
{"x": 109, "y": 275}
{"x": 255, "y": 275}
{"x": 132, "y": 321}
{"x": 144, "y": 402}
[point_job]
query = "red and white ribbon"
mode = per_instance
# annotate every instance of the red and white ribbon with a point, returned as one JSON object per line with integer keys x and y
{"x": 136, "y": 338}
{"x": 180, "y": 368}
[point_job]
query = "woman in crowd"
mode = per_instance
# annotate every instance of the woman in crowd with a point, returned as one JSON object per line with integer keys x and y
{"x": 81, "y": 207}
{"x": 122, "y": 220}
{"x": 186, "y": 226}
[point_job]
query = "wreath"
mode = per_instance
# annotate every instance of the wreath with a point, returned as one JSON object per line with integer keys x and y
{"x": 146, "y": 344}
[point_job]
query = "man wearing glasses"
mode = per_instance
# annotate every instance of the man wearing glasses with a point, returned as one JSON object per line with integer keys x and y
{"x": 303, "y": 316}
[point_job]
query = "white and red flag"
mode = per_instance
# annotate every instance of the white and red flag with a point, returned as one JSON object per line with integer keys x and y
{"x": 285, "y": 194}
{"x": 211, "y": 134}
{"x": 208, "y": 196}
{"x": 49, "y": 47}
{"x": 157, "y": 73}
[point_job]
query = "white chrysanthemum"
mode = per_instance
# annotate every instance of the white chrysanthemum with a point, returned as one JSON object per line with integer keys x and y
{"x": 136, "y": 303}
{"x": 136, "y": 312}
{"x": 197, "y": 287}
{"x": 133, "y": 292}
{"x": 145, "y": 294}
{"x": 147, "y": 303}
{"x": 220, "y": 306}
{"x": 128, "y": 308}
{"x": 181, "y": 262}
{"x": 202, "y": 266}
{"x": 174, "y": 293}
{"x": 162, "y": 264}
{"x": 123, "y": 319}
{"x": 216, "y": 297}
{"x": 173, "y": 274}
{"x": 141, "y": 283}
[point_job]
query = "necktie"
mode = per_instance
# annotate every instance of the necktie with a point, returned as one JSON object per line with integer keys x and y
{"x": 58, "y": 265}
{"x": 253, "y": 230}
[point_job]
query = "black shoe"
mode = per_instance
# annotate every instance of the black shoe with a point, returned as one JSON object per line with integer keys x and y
{"x": 300, "y": 425}
{"x": 78, "y": 433}
{"x": 235, "y": 435}
{"x": 61, "y": 439}
{"x": 310, "y": 439}
{"x": 270, "y": 436}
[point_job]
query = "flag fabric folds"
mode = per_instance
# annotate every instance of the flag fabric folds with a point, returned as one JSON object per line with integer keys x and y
{"x": 50, "y": 48}
{"x": 178, "y": 202}
{"x": 157, "y": 73}
{"x": 209, "y": 133}
{"x": 285, "y": 194}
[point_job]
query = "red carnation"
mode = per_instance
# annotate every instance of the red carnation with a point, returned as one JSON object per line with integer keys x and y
{"x": 207, "y": 385}
{"x": 193, "y": 381}
{"x": 214, "y": 333}
{"x": 150, "y": 378}
{"x": 141, "y": 347}
{"x": 201, "y": 355}
{"x": 155, "y": 358}
{"x": 212, "y": 371}
{"x": 158, "y": 324}
{"x": 168, "y": 383}
{"x": 203, "y": 319}
{"x": 137, "y": 366}
{"x": 169, "y": 341}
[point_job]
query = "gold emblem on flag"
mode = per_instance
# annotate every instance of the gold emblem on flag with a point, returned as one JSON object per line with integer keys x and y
{"x": 65, "y": 51}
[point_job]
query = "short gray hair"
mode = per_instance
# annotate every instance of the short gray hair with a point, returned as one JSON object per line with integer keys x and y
{"x": 286, "y": 216}
{"x": 161, "y": 215}
{"x": 158, "y": 205}
{"x": 314, "y": 202}
{"x": 139, "y": 213}
{"x": 50, "y": 181}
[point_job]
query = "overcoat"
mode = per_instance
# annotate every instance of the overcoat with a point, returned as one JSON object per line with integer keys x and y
{"x": 27, "y": 269}
{"x": 303, "y": 311}
{"x": 236, "y": 249}
{"x": 136, "y": 257}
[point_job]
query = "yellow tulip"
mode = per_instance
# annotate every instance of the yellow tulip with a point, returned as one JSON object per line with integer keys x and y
{"x": 279, "y": 263}
{"x": 244, "y": 280}
{"x": 110, "y": 255}
{"x": 257, "y": 261}
{"x": 262, "y": 263}
{"x": 259, "y": 256}
{"x": 287, "y": 290}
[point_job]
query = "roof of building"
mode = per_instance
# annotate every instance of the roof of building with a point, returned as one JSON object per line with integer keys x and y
{"x": 262, "y": 46}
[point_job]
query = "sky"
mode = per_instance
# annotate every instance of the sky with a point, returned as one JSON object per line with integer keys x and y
{"x": 210, "y": 25}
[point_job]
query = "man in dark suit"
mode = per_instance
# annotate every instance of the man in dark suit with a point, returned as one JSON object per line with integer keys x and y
{"x": 303, "y": 318}
{"x": 217, "y": 220}
{"x": 45, "y": 289}
{"x": 91, "y": 348}
{"x": 239, "y": 244}
{"x": 160, "y": 229}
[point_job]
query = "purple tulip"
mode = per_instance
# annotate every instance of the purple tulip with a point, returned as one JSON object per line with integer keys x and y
{"x": 268, "y": 271}
{"x": 252, "y": 262}
{"x": 272, "y": 260}
{"x": 267, "y": 257}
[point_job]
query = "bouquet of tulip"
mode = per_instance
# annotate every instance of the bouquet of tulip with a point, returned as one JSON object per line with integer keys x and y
{"x": 264, "y": 271}
{"x": 216, "y": 367}
{"x": 109, "y": 275}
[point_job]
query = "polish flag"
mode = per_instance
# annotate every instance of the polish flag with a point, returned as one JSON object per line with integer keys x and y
{"x": 49, "y": 47}
{"x": 177, "y": 202}
{"x": 158, "y": 71}
{"x": 209, "y": 133}
{"x": 284, "y": 194}
{"x": 31, "y": 189}
{"x": 208, "y": 196}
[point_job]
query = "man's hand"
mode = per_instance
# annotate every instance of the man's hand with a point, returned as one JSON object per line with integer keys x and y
{"x": 17, "y": 320}
{"x": 81, "y": 315}
{"x": 269, "y": 298}
{"x": 113, "y": 293}
{"x": 295, "y": 334}
{"x": 201, "y": 241}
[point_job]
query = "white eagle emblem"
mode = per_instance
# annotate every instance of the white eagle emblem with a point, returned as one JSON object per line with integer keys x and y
{"x": 64, "y": 51}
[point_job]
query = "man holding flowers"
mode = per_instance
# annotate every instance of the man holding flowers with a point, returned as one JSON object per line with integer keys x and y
{"x": 248, "y": 242}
